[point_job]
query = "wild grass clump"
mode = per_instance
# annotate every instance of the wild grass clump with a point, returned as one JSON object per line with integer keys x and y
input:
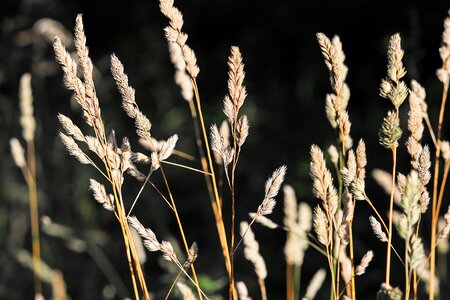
{"x": 338, "y": 175}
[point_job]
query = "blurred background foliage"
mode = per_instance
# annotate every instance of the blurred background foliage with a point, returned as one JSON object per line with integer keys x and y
{"x": 286, "y": 80}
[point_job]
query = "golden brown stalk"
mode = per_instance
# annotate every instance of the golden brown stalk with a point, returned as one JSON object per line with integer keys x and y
{"x": 289, "y": 281}
{"x": 391, "y": 209}
{"x": 435, "y": 203}
{"x": 352, "y": 257}
{"x": 217, "y": 208}
{"x": 34, "y": 213}
{"x": 28, "y": 123}
{"x": 175, "y": 35}
{"x": 443, "y": 75}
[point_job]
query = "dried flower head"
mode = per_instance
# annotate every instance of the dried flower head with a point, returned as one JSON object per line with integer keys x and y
{"x": 220, "y": 146}
{"x": 386, "y": 292}
{"x": 273, "y": 185}
{"x": 321, "y": 226}
{"x": 315, "y": 284}
{"x": 26, "y": 108}
{"x": 334, "y": 155}
{"x": 242, "y": 130}
{"x": 182, "y": 79}
{"x": 443, "y": 233}
{"x": 242, "y": 291}
{"x": 444, "y": 73}
{"x": 18, "y": 153}
{"x": 185, "y": 291}
{"x": 361, "y": 268}
{"x": 251, "y": 250}
{"x": 393, "y": 88}
{"x": 264, "y": 221}
{"x": 74, "y": 149}
{"x": 377, "y": 230}
{"x": 390, "y": 131}
{"x": 100, "y": 195}
{"x": 445, "y": 149}
{"x": 322, "y": 181}
{"x": 142, "y": 123}
{"x": 298, "y": 221}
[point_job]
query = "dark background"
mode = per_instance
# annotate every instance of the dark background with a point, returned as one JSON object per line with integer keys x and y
{"x": 287, "y": 82}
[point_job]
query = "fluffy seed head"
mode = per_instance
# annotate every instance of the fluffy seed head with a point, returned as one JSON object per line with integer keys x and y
{"x": 322, "y": 181}
{"x": 271, "y": 191}
{"x": 251, "y": 251}
{"x": 73, "y": 149}
{"x": 444, "y": 51}
{"x": 334, "y": 155}
{"x": 100, "y": 195}
{"x": 18, "y": 153}
{"x": 377, "y": 230}
{"x": 390, "y": 131}
{"x": 361, "y": 268}
{"x": 150, "y": 241}
{"x": 242, "y": 291}
{"x": 321, "y": 226}
{"x": 315, "y": 284}
{"x": 445, "y": 149}
{"x": 264, "y": 221}
{"x": 185, "y": 291}
{"x": 26, "y": 108}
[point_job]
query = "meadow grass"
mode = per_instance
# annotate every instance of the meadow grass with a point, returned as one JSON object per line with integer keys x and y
{"x": 327, "y": 228}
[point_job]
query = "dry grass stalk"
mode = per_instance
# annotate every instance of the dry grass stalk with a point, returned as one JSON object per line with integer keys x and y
{"x": 143, "y": 127}
{"x": 175, "y": 35}
{"x": 28, "y": 123}
{"x": 239, "y": 132}
{"x": 394, "y": 89}
{"x": 443, "y": 75}
{"x": 59, "y": 289}
{"x": 115, "y": 160}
